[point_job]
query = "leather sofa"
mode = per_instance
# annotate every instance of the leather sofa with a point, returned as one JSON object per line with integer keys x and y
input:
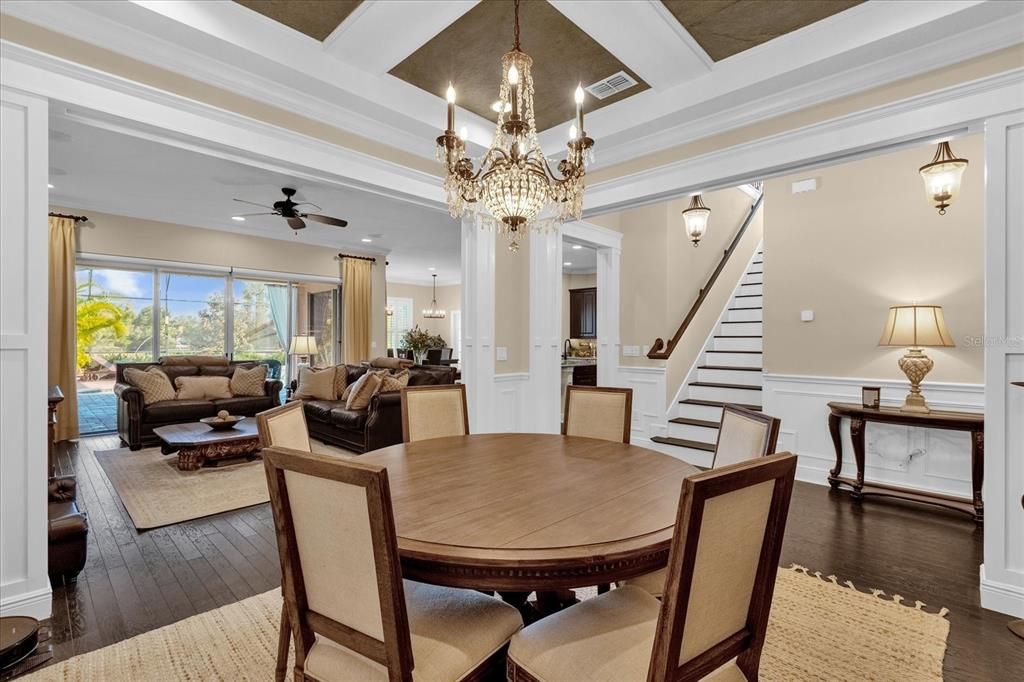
{"x": 67, "y": 532}
{"x": 136, "y": 420}
{"x": 377, "y": 426}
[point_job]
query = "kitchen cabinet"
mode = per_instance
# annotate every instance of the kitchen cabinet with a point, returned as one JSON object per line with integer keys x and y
{"x": 583, "y": 313}
{"x": 584, "y": 375}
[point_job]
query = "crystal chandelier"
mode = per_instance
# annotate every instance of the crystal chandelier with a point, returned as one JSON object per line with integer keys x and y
{"x": 433, "y": 312}
{"x": 513, "y": 180}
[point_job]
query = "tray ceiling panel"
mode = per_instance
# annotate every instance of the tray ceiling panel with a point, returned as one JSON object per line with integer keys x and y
{"x": 468, "y": 54}
{"x": 727, "y": 27}
{"x": 315, "y": 18}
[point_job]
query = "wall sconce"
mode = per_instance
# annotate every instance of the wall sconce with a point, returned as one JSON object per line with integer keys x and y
{"x": 942, "y": 177}
{"x": 696, "y": 219}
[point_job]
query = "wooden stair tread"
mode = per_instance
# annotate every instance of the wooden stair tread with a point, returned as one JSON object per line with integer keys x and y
{"x": 756, "y": 272}
{"x": 717, "y": 384}
{"x": 749, "y": 352}
{"x": 750, "y": 308}
{"x": 748, "y": 295}
{"x": 684, "y": 443}
{"x": 717, "y": 403}
{"x": 729, "y": 367}
{"x": 738, "y": 336}
{"x": 695, "y": 422}
{"x": 742, "y": 322}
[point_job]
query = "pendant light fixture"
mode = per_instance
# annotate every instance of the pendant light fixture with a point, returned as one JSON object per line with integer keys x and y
{"x": 433, "y": 312}
{"x": 696, "y": 219}
{"x": 942, "y": 177}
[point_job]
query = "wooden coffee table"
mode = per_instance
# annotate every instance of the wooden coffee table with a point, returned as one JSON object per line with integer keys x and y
{"x": 197, "y": 444}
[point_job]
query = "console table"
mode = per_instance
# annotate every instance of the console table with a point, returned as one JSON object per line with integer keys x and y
{"x": 859, "y": 416}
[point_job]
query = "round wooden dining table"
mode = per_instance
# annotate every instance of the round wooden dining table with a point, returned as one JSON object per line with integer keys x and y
{"x": 530, "y": 511}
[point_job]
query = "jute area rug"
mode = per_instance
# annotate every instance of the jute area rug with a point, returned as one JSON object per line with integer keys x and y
{"x": 156, "y": 493}
{"x": 819, "y": 630}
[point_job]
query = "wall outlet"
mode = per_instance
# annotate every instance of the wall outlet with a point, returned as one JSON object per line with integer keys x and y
{"x": 631, "y": 351}
{"x": 807, "y": 316}
{"x": 502, "y": 353}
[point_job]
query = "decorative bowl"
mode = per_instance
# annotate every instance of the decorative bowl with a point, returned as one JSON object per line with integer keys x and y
{"x": 221, "y": 423}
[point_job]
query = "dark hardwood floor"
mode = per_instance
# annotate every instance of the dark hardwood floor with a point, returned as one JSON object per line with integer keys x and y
{"x": 134, "y": 582}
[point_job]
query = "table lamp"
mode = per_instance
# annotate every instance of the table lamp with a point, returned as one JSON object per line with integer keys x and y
{"x": 303, "y": 345}
{"x": 911, "y": 327}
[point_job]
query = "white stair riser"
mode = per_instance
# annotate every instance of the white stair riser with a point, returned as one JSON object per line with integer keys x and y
{"x": 737, "y": 344}
{"x": 702, "y": 434}
{"x": 752, "y": 289}
{"x": 726, "y": 395}
{"x": 733, "y": 359}
{"x": 741, "y": 329}
{"x": 754, "y": 278}
{"x": 694, "y": 456}
{"x": 730, "y": 376}
{"x": 744, "y": 315}
{"x": 706, "y": 412}
{"x": 747, "y": 301}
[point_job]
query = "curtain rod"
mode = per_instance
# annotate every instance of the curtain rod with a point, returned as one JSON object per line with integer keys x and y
{"x": 345, "y": 255}
{"x": 76, "y": 218}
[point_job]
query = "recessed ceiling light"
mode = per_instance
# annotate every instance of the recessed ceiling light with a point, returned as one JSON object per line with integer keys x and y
{"x": 366, "y": 240}
{"x": 567, "y": 263}
{"x": 496, "y": 107}
{"x": 238, "y": 218}
{"x": 49, "y": 185}
{"x": 576, "y": 247}
{"x": 432, "y": 269}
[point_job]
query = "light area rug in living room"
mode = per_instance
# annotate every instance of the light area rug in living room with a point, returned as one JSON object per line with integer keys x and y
{"x": 156, "y": 493}
{"x": 819, "y": 630}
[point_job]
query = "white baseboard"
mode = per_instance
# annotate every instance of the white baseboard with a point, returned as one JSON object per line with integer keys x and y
{"x": 1001, "y": 597}
{"x": 37, "y": 604}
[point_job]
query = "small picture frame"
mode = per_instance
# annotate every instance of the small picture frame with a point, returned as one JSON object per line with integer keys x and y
{"x": 871, "y": 396}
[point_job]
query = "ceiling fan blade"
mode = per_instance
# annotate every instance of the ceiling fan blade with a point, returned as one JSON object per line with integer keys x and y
{"x": 249, "y": 215}
{"x": 326, "y": 219}
{"x": 296, "y": 223}
{"x": 309, "y": 203}
{"x": 243, "y": 201}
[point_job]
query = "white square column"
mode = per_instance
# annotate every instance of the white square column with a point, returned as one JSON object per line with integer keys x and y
{"x": 545, "y": 387}
{"x": 476, "y": 356}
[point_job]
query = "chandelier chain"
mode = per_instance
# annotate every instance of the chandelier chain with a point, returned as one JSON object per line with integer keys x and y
{"x": 515, "y": 43}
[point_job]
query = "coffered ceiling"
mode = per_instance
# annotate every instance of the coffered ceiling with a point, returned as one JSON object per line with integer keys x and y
{"x": 727, "y": 27}
{"x": 315, "y": 18}
{"x": 468, "y": 54}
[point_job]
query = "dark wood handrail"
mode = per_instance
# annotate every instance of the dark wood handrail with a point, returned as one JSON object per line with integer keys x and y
{"x": 659, "y": 351}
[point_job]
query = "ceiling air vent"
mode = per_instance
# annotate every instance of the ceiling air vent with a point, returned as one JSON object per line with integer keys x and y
{"x": 606, "y": 87}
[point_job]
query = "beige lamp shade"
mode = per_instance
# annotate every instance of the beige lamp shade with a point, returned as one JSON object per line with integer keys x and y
{"x": 914, "y": 326}
{"x": 303, "y": 344}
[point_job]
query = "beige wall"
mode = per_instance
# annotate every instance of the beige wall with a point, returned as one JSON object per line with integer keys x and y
{"x": 577, "y": 281}
{"x": 512, "y": 306}
{"x": 115, "y": 235}
{"x": 448, "y": 299}
{"x": 864, "y": 240}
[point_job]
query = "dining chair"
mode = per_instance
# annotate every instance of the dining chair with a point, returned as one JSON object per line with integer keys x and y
{"x": 434, "y": 411}
{"x": 446, "y": 354}
{"x": 433, "y": 356}
{"x": 598, "y": 412}
{"x": 711, "y": 624}
{"x": 353, "y": 616}
{"x": 742, "y": 435}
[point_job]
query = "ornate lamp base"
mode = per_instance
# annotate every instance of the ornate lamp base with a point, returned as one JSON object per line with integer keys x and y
{"x": 916, "y": 365}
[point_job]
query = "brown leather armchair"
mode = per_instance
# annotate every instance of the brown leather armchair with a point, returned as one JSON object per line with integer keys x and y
{"x": 68, "y": 531}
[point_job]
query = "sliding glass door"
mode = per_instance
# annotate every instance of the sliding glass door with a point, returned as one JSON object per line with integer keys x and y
{"x": 261, "y": 326}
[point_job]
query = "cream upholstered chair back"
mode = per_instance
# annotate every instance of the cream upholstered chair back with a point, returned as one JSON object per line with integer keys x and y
{"x": 341, "y": 577}
{"x": 744, "y": 434}
{"x": 284, "y": 426}
{"x": 721, "y": 570}
{"x": 434, "y": 411}
{"x": 598, "y": 412}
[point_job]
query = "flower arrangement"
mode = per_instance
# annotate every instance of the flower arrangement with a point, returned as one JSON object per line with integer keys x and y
{"x": 419, "y": 341}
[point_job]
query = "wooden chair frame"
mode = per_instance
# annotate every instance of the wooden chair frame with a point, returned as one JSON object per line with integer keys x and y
{"x": 771, "y": 423}
{"x": 263, "y": 420}
{"x": 395, "y": 651}
{"x": 432, "y": 387}
{"x": 746, "y": 644}
{"x": 627, "y": 419}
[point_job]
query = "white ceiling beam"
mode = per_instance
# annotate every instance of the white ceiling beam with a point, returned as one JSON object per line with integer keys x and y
{"x": 642, "y": 35}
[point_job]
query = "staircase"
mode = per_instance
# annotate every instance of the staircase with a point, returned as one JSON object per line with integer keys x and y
{"x": 728, "y": 371}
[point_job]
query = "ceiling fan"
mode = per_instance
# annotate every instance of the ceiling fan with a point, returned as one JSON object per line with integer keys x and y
{"x": 290, "y": 211}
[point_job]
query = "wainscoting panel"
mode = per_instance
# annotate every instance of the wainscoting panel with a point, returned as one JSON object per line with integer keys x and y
{"x": 508, "y": 409}
{"x": 925, "y": 459}
{"x": 648, "y": 384}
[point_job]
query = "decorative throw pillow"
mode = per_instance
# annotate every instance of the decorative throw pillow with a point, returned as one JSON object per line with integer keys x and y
{"x": 340, "y": 382}
{"x": 392, "y": 383}
{"x": 203, "y": 388}
{"x": 249, "y": 381}
{"x": 390, "y": 363}
{"x": 315, "y": 384}
{"x": 153, "y": 383}
{"x": 364, "y": 389}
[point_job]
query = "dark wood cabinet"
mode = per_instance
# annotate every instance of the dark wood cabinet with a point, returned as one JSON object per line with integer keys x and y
{"x": 584, "y": 375}
{"x": 583, "y": 313}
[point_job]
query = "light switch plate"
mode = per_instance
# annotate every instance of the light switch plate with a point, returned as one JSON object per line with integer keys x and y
{"x": 807, "y": 316}
{"x": 631, "y": 351}
{"x": 808, "y": 185}
{"x": 502, "y": 353}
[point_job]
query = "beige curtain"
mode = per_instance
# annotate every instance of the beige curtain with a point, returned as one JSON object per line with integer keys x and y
{"x": 63, "y": 332}
{"x": 357, "y": 309}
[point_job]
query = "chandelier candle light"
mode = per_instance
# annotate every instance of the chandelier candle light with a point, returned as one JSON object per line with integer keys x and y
{"x": 514, "y": 180}
{"x": 433, "y": 312}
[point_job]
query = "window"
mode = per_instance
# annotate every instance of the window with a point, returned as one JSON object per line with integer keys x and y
{"x": 260, "y": 325}
{"x": 400, "y": 322}
{"x": 192, "y": 318}
{"x": 317, "y": 313}
{"x": 115, "y": 320}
